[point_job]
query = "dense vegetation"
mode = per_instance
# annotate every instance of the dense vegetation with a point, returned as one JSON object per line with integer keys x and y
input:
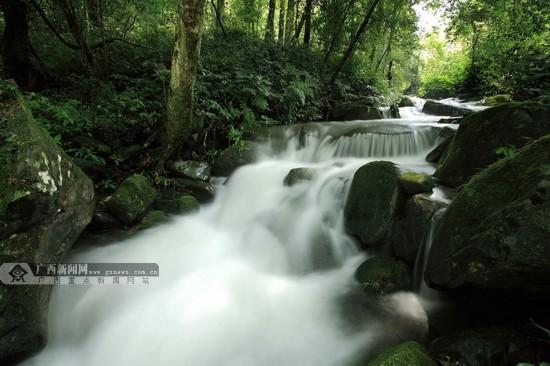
{"x": 102, "y": 68}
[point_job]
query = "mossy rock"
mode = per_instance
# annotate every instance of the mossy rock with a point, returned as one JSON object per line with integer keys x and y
{"x": 406, "y": 354}
{"x": 495, "y": 100}
{"x": 203, "y": 191}
{"x": 187, "y": 204}
{"x": 495, "y": 234}
{"x": 382, "y": 275}
{"x": 44, "y": 207}
{"x": 440, "y": 151}
{"x": 189, "y": 169}
{"x": 234, "y": 157}
{"x": 154, "y": 218}
{"x": 406, "y": 102}
{"x": 479, "y": 136}
{"x": 354, "y": 111}
{"x": 374, "y": 198}
{"x": 132, "y": 199}
{"x": 415, "y": 183}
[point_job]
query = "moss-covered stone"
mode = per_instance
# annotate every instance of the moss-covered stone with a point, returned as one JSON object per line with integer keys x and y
{"x": 415, "y": 183}
{"x": 406, "y": 354}
{"x": 132, "y": 199}
{"x": 382, "y": 275}
{"x": 442, "y": 109}
{"x": 479, "y": 136}
{"x": 189, "y": 169}
{"x": 406, "y": 102}
{"x": 45, "y": 204}
{"x": 495, "y": 100}
{"x": 203, "y": 191}
{"x": 495, "y": 234}
{"x": 359, "y": 110}
{"x": 440, "y": 151}
{"x": 374, "y": 198}
{"x": 187, "y": 204}
{"x": 234, "y": 157}
{"x": 154, "y": 218}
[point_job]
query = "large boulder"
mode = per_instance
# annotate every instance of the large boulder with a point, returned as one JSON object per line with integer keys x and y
{"x": 406, "y": 354}
{"x": 415, "y": 183}
{"x": 363, "y": 109}
{"x": 382, "y": 275}
{"x": 234, "y": 157}
{"x": 298, "y": 175}
{"x": 479, "y": 136}
{"x": 443, "y": 109}
{"x": 406, "y": 101}
{"x": 132, "y": 199}
{"x": 45, "y": 203}
{"x": 374, "y": 198}
{"x": 495, "y": 234}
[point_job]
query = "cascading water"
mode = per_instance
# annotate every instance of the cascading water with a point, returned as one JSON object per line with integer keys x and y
{"x": 257, "y": 277}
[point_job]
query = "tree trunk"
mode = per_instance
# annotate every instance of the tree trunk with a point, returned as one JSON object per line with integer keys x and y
{"x": 289, "y": 31}
{"x": 220, "y": 11}
{"x": 16, "y": 48}
{"x": 69, "y": 13}
{"x": 178, "y": 121}
{"x": 307, "y": 30}
{"x": 281, "y": 35}
{"x": 354, "y": 42}
{"x": 270, "y": 27}
{"x": 336, "y": 36}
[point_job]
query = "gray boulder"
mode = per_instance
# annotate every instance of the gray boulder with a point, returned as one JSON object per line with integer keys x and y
{"x": 45, "y": 203}
{"x": 189, "y": 169}
{"x": 374, "y": 198}
{"x": 495, "y": 234}
{"x": 363, "y": 109}
{"x": 442, "y": 109}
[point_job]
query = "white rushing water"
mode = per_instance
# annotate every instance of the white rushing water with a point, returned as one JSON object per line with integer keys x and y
{"x": 259, "y": 277}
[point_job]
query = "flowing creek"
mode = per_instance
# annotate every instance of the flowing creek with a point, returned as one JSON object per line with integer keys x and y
{"x": 262, "y": 276}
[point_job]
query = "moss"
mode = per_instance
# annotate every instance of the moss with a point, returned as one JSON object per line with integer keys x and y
{"x": 134, "y": 196}
{"x": 415, "y": 183}
{"x": 187, "y": 204}
{"x": 406, "y": 354}
{"x": 234, "y": 157}
{"x": 381, "y": 275}
{"x": 154, "y": 218}
{"x": 495, "y": 100}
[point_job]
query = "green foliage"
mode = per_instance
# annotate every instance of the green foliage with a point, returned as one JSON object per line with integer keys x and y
{"x": 506, "y": 151}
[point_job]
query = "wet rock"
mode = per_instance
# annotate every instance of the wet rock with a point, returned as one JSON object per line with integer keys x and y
{"x": 103, "y": 220}
{"x": 203, "y": 191}
{"x": 132, "y": 199}
{"x": 46, "y": 201}
{"x": 452, "y": 120}
{"x": 481, "y": 134}
{"x": 494, "y": 235}
{"x": 374, "y": 198}
{"x": 409, "y": 231}
{"x": 442, "y": 109}
{"x": 93, "y": 169}
{"x": 415, "y": 183}
{"x": 187, "y": 204}
{"x": 406, "y": 102}
{"x": 475, "y": 347}
{"x": 440, "y": 151}
{"x": 298, "y": 175}
{"x": 406, "y": 354}
{"x": 196, "y": 170}
{"x": 394, "y": 111}
{"x": 234, "y": 157}
{"x": 381, "y": 275}
{"x": 495, "y": 100}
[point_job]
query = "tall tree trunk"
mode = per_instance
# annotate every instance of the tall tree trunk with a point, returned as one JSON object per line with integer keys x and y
{"x": 281, "y": 34}
{"x": 16, "y": 48}
{"x": 289, "y": 31}
{"x": 307, "y": 14}
{"x": 299, "y": 27}
{"x": 220, "y": 12}
{"x": 70, "y": 15}
{"x": 178, "y": 121}
{"x": 270, "y": 27}
{"x": 336, "y": 36}
{"x": 354, "y": 42}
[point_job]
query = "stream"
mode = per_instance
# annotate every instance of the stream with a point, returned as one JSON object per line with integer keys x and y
{"x": 264, "y": 275}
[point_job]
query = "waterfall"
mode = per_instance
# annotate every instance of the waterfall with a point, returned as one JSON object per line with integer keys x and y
{"x": 258, "y": 277}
